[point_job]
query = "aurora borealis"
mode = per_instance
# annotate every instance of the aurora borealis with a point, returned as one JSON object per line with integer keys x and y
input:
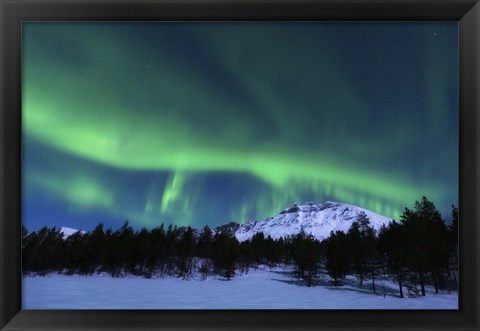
{"x": 204, "y": 123}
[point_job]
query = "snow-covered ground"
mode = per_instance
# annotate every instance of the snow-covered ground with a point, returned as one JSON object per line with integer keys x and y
{"x": 259, "y": 289}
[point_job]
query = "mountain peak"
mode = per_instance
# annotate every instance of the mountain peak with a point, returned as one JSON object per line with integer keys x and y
{"x": 67, "y": 232}
{"x": 317, "y": 220}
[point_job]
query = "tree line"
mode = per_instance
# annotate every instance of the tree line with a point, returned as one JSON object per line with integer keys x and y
{"x": 418, "y": 250}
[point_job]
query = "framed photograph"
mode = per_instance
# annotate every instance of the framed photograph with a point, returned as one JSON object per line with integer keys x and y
{"x": 239, "y": 165}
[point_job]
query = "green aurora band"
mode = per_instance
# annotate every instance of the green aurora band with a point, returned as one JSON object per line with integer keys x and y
{"x": 120, "y": 98}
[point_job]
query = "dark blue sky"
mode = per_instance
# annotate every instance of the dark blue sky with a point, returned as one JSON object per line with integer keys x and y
{"x": 204, "y": 123}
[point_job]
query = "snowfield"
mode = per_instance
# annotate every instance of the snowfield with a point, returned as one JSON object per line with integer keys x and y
{"x": 258, "y": 289}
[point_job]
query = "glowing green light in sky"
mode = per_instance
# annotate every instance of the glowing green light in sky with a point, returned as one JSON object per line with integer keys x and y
{"x": 297, "y": 111}
{"x": 80, "y": 191}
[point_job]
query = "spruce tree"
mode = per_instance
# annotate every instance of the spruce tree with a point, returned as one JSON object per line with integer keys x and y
{"x": 427, "y": 242}
{"x": 392, "y": 244}
{"x": 186, "y": 252}
{"x": 336, "y": 254}
{"x": 306, "y": 256}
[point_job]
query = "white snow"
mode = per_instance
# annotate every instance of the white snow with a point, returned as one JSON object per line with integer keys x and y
{"x": 259, "y": 289}
{"x": 317, "y": 220}
{"x": 67, "y": 232}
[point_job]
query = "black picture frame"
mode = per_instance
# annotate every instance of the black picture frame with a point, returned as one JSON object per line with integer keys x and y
{"x": 13, "y": 12}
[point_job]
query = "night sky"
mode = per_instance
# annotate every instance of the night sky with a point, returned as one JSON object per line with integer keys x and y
{"x": 205, "y": 123}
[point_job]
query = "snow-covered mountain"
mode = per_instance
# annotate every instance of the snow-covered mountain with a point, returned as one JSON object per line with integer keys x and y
{"x": 317, "y": 220}
{"x": 67, "y": 232}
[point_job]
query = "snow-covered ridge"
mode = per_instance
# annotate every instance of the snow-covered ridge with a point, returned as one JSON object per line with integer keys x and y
{"x": 67, "y": 232}
{"x": 317, "y": 220}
